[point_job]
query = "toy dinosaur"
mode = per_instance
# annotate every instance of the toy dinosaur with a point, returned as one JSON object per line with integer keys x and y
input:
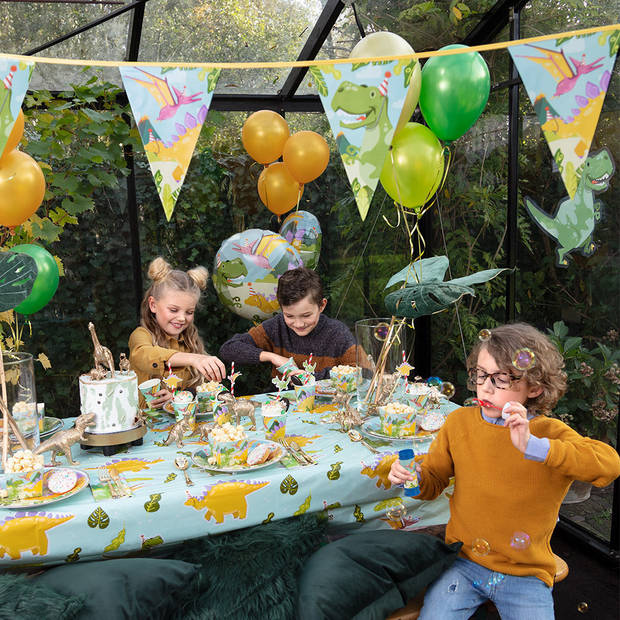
{"x": 178, "y": 431}
{"x": 346, "y": 415}
{"x": 63, "y": 440}
{"x": 123, "y": 363}
{"x": 572, "y": 225}
{"x": 102, "y": 355}
{"x": 239, "y": 408}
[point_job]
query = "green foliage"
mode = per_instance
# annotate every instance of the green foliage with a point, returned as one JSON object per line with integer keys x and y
{"x": 590, "y": 404}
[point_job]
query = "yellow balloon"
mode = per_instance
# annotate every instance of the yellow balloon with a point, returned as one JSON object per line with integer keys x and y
{"x": 278, "y": 190}
{"x": 15, "y": 136}
{"x": 306, "y": 155}
{"x": 22, "y": 187}
{"x": 390, "y": 44}
{"x": 263, "y": 135}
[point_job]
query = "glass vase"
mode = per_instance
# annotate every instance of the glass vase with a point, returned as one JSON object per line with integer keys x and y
{"x": 380, "y": 346}
{"x": 21, "y": 395}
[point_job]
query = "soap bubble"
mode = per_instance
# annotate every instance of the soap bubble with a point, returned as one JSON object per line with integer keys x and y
{"x": 447, "y": 389}
{"x": 484, "y": 335}
{"x": 520, "y": 541}
{"x": 582, "y": 608}
{"x": 480, "y": 546}
{"x": 381, "y": 331}
{"x": 470, "y": 402}
{"x": 397, "y": 512}
{"x": 434, "y": 382}
{"x": 524, "y": 359}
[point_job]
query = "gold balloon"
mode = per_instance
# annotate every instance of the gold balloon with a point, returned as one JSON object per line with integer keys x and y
{"x": 278, "y": 190}
{"x": 22, "y": 187}
{"x": 263, "y": 135}
{"x": 389, "y": 44}
{"x": 15, "y": 136}
{"x": 306, "y": 155}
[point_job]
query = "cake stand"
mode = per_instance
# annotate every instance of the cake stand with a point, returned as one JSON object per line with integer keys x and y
{"x": 114, "y": 442}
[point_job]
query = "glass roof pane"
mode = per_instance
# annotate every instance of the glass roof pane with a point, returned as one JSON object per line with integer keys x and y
{"x": 230, "y": 31}
{"x": 48, "y": 21}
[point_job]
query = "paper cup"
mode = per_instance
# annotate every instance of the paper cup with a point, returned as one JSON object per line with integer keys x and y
{"x": 396, "y": 423}
{"x": 23, "y": 485}
{"x": 274, "y": 421}
{"x": 345, "y": 381}
{"x": 206, "y": 400}
{"x": 182, "y": 403}
{"x": 229, "y": 453}
{"x": 149, "y": 388}
{"x": 305, "y": 397}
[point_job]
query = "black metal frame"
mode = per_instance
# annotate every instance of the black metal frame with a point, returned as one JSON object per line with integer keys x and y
{"x": 503, "y": 13}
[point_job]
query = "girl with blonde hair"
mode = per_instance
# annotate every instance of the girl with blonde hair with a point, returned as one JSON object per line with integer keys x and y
{"x": 167, "y": 336}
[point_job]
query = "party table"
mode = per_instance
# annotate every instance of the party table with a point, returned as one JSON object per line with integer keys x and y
{"x": 349, "y": 485}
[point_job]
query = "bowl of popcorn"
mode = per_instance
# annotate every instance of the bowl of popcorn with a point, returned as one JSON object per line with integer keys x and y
{"x": 398, "y": 419}
{"x": 229, "y": 445}
{"x": 422, "y": 395}
{"x": 206, "y": 395}
{"x": 343, "y": 377}
{"x": 23, "y": 476}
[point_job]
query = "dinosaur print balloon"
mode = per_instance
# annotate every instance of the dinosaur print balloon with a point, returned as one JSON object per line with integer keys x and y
{"x": 247, "y": 268}
{"x": 303, "y": 231}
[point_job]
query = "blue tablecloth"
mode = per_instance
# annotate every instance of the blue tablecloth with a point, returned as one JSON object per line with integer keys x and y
{"x": 349, "y": 484}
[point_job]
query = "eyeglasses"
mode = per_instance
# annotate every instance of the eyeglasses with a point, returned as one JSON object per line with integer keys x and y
{"x": 501, "y": 380}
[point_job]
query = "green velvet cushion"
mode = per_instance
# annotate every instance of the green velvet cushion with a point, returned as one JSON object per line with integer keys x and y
{"x": 124, "y": 588}
{"x": 370, "y": 575}
{"x": 22, "y": 597}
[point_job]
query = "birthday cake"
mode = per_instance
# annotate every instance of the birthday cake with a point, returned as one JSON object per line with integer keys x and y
{"x": 113, "y": 400}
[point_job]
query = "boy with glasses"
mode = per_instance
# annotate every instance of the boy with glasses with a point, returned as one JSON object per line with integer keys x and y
{"x": 512, "y": 467}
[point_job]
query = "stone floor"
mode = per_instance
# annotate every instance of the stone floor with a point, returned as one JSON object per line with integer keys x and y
{"x": 594, "y": 514}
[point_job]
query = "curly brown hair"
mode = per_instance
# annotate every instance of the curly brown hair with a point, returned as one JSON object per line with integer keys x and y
{"x": 546, "y": 371}
{"x": 164, "y": 278}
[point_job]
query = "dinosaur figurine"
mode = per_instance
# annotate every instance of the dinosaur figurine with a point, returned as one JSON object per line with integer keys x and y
{"x": 346, "y": 415}
{"x": 572, "y": 225}
{"x": 123, "y": 363}
{"x": 63, "y": 440}
{"x": 239, "y": 408}
{"x": 178, "y": 431}
{"x": 102, "y": 355}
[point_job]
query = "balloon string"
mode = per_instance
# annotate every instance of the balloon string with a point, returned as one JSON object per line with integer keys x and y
{"x": 299, "y": 191}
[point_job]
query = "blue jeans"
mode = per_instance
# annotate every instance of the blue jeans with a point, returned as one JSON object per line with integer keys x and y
{"x": 466, "y": 585}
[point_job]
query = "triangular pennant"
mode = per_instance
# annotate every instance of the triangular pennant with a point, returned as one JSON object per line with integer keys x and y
{"x": 170, "y": 105}
{"x": 14, "y": 80}
{"x": 363, "y": 102}
{"x": 567, "y": 79}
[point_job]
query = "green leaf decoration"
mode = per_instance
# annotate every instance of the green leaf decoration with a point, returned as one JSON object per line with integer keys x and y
{"x": 304, "y": 507}
{"x": 270, "y": 516}
{"x": 319, "y": 80}
{"x": 289, "y": 485}
{"x": 334, "y": 472}
{"x": 408, "y": 72}
{"x": 17, "y": 275}
{"x": 212, "y": 79}
{"x": 170, "y": 477}
{"x": 358, "y": 514}
{"x": 358, "y": 65}
{"x": 98, "y": 518}
{"x": 337, "y": 449}
{"x": 117, "y": 541}
{"x": 424, "y": 292}
{"x": 152, "y": 505}
{"x": 149, "y": 543}
{"x": 75, "y": 556}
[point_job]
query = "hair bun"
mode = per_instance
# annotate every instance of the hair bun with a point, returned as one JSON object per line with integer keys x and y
{"x": 200, "y": 276}
{"x": 159, "y": 269}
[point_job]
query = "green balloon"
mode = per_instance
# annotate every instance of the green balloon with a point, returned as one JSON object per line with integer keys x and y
{"x": 414, "y": 166}
{"x": 454, "y": 91}
{"x": 46, "y": 282}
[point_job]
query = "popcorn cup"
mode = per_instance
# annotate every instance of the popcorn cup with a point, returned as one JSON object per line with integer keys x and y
{"x": 344, "y": 378}
{"x": 274, "y": 420}
{"x": 206, "y": 399}
{"x": 23, "y": 484}
{"x": 149, "y": 388}
{"x": 397, "y": 420}
{"x": 229, "y": 453}
{"x": 182, "y": 403}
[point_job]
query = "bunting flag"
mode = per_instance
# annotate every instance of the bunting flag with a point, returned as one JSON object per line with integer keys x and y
{"x": 14, "y": 80}
{"x": 363, "y": 102}
{"x": 566, "y": 79}
{"x": 170, "y": 105}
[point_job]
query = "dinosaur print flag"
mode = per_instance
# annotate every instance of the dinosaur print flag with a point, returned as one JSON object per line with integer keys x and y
{"x": 363, "y": 102}
{"x": 170, "y": 105}
{"x": 14, "y": 79}
{"x": 567, "y": 79}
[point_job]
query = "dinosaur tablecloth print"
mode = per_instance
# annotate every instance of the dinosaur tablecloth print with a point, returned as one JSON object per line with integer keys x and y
{"x": 349, "y": 485}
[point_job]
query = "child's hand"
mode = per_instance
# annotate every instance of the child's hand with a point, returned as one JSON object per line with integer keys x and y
{"x": 161, "y": 398}
{"x": 518, "y": 424}
{"x": 210, "y": 366}
{"x": 399, "y": 475}
{"x": 273, "y": 358}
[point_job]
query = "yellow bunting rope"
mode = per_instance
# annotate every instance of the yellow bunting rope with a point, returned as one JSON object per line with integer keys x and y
{"x": 308, "y": 63}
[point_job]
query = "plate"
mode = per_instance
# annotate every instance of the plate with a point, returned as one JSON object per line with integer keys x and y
{"x": 49, "y": 497}
{"x": 372, "y": 428}
{"x": 199, "y": 458}
{"x": 168, "y": 408}
{"x": 50, "y": 426}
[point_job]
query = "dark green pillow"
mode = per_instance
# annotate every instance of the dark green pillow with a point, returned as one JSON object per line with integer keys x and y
{"x": 370, "y": 575}
{"x": 124, "y": 588}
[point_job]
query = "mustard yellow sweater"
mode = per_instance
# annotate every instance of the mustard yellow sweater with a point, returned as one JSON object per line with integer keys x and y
{"x": 498, "y": 492}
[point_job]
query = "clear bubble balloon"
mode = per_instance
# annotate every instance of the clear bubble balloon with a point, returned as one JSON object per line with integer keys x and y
{"x": 524, "y": 359}
{"x": 520, "y": 541}
{"x": 480, "y": 546}
{"x": 397, "y": 512}
{"x": 582, "y": 608}
{"x": 470, "y": 402}
{"x": 435, "y": 382}
{"x": 448, "y": 389}
{"x": 484, "y": 335}
{"x": 381, "y": 331}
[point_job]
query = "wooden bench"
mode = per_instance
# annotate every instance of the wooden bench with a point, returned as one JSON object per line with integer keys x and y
{"x": 412, "y": 609}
